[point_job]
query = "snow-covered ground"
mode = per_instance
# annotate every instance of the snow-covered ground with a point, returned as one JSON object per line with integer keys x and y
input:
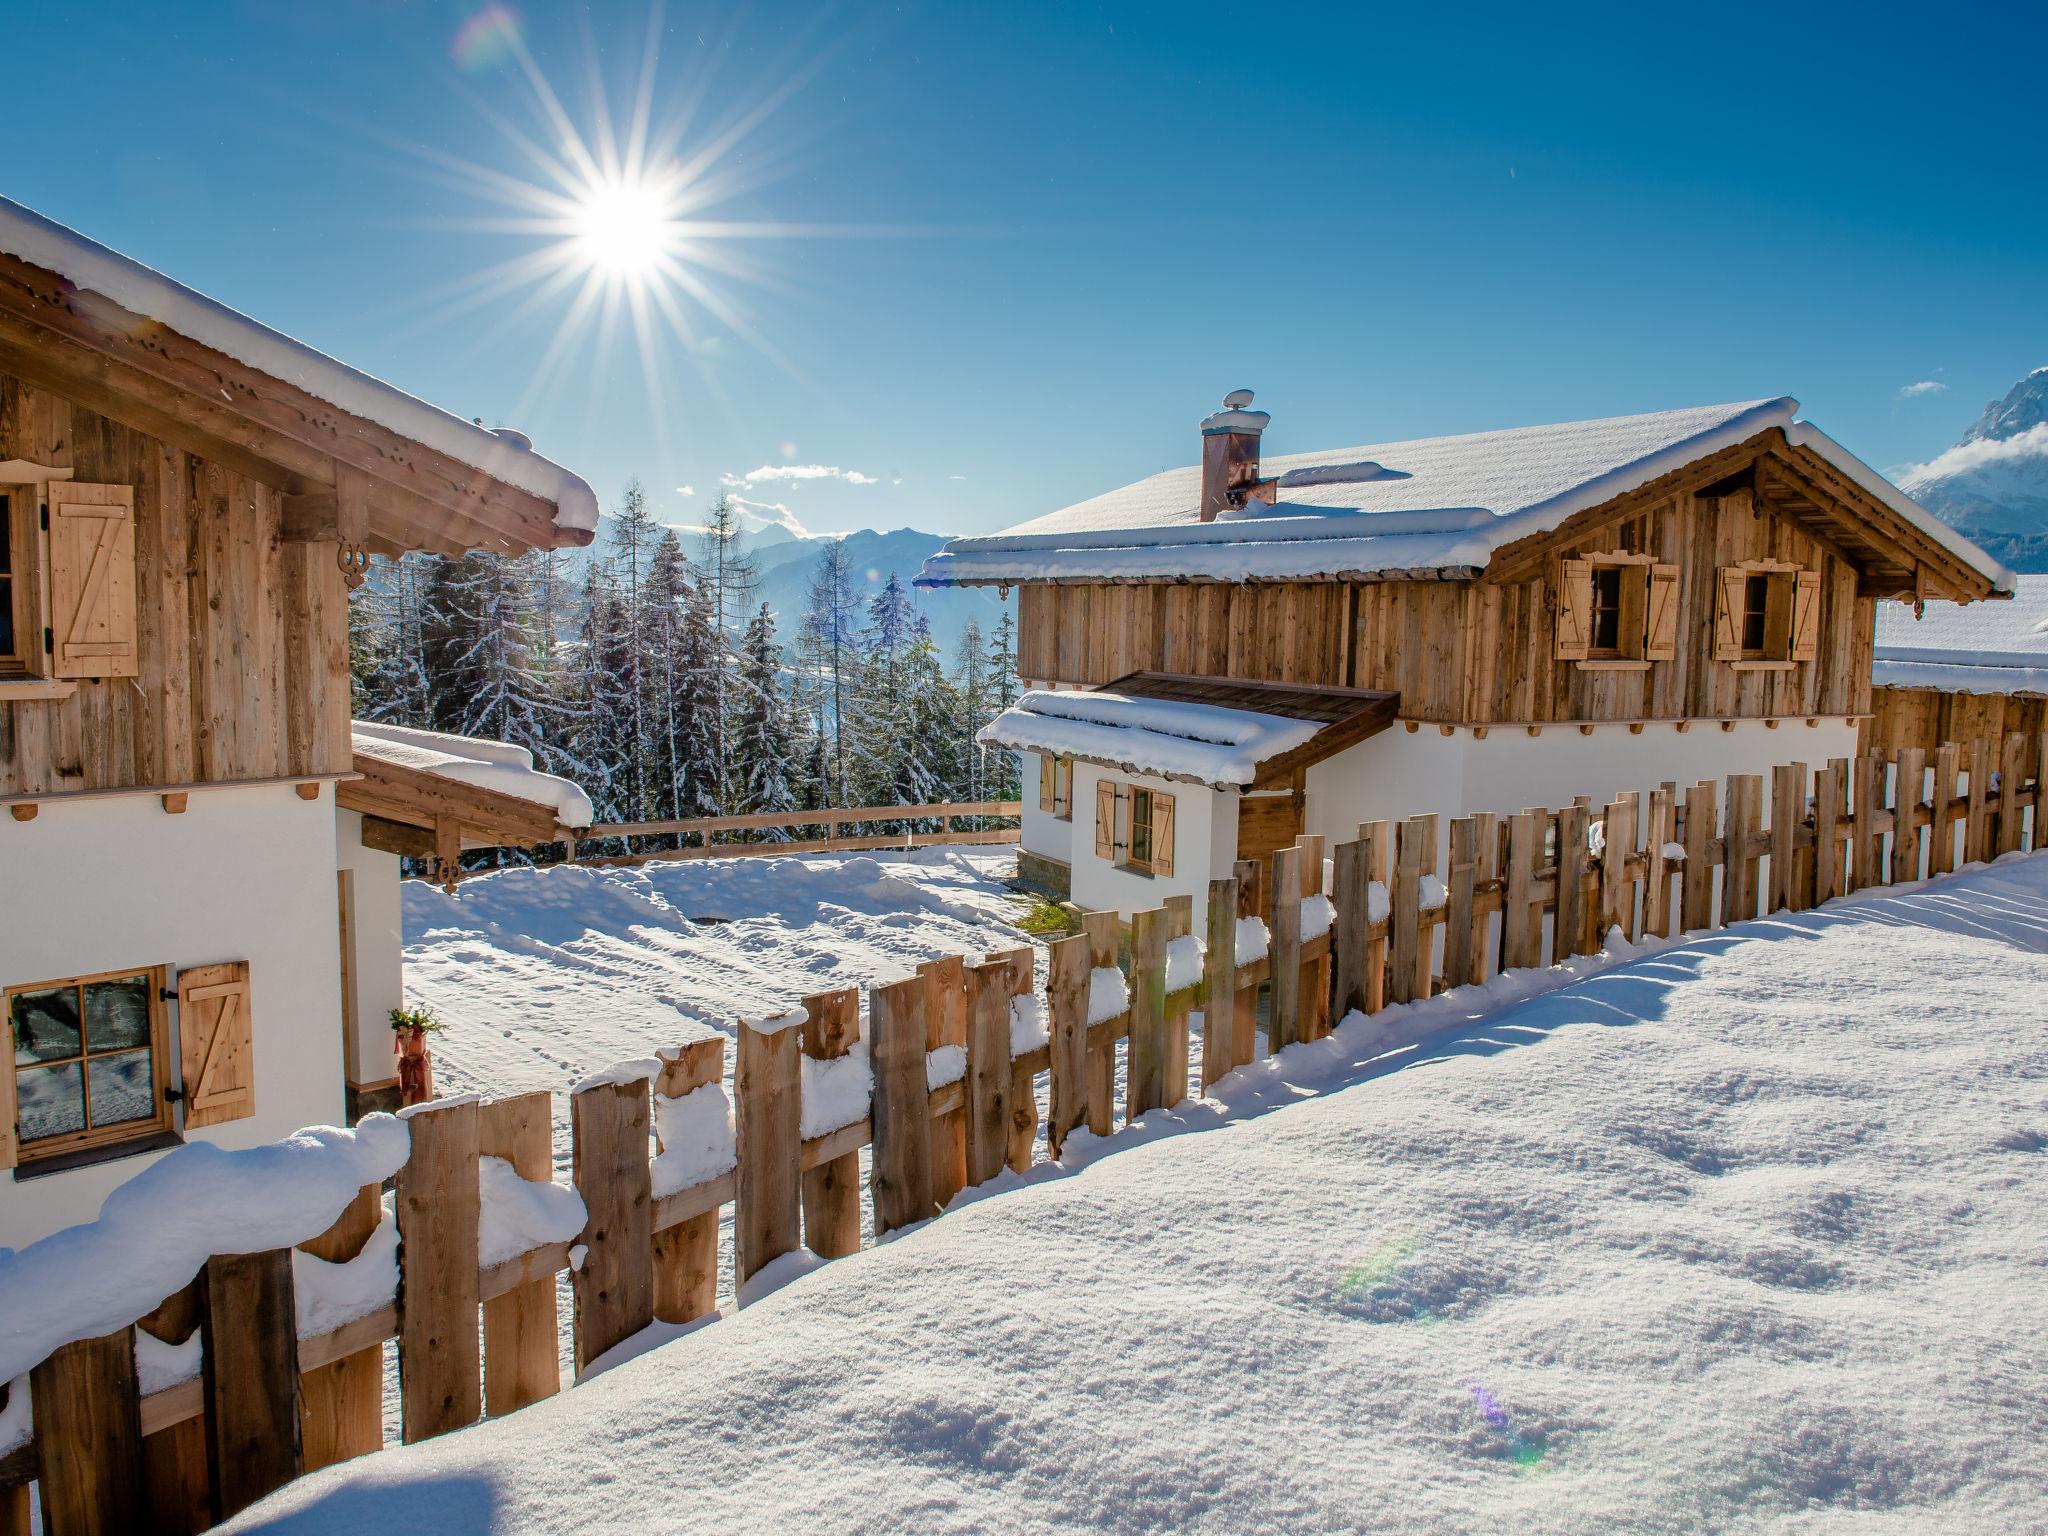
{"x": 1746, "y": 1234}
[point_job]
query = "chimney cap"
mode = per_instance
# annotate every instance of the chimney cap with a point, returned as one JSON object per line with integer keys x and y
{"x": 1236, "y": 416}
{"x": 1237, "y": 400}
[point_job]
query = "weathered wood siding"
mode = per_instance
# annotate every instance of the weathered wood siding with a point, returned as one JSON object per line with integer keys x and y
{"x": 1471, "y": 652}
{"x": 1927, "y": 717}
{"x": 243, "y": 637}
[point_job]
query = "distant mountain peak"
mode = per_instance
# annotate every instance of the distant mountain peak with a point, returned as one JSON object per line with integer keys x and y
{"x": 2025, "y": 406}
{"x": 1992, "y": 486}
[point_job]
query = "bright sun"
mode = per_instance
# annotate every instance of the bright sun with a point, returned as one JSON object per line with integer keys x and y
{"x": 623, "y": 227}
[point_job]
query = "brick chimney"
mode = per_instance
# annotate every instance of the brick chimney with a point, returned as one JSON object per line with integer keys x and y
{"x": 1230, "y": 453}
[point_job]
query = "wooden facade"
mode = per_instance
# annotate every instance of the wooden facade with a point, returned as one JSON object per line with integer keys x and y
{"x": 1927, "y": 717}
{"x": 1483, "y": 651}
{"x": 241, "y": 665}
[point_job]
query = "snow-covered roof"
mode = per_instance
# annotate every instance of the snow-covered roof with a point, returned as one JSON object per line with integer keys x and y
{"x": 1190, "y": 743}
{"x": 1439, "y": 505}
{"x": 493, "y": 765}
{"x": 1967, "y": 648}
{"x": 45, "y": 243}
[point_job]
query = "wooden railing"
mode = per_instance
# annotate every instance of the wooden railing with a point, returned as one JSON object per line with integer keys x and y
{"x": 706, "y": 830}
{"x": 954, "y": 1101}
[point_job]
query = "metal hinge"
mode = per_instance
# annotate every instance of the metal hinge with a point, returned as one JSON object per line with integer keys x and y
{"x": 168, "y": 994}
{"x": 45, "y": 514}
{"x": 49, "y": 641}
{"x": 174, "y": 1095}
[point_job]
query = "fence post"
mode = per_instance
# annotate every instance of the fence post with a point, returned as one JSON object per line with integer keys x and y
{"x": 1348, "y": 933}
{"x": 2011, "y": 775}
{"x": 1941, "y": 830}
{"x": 1406, "y": 941}
{"x": 1066, "y": 1008}
{"x": 250, "y": 1370}
{"x": 2040, "y": 789}
{"x": 177, "y": 1482}
{"x": 902, "y": 1170}
{"x": 1377, "y": 838}
{"x": 1739, "y": 857}
{"x": 1788, "y": 814}
{"x": 1907, "y": 786}
{"x": 945, "y": 1023}
{"x": 767, "y": 1219}
{"x": 1283, "y": 971}
{"x": 440, "y": 1361}
{"x": 521, "y": 1365}
{"x": 1180, "y": 924}
{"x": 1023, "y": 1081}
{"x": 1829, "y": 784}
{"x": 1656, "y": 868}
{"x": 1696, "y": 880}
{"x": 831, "y": 1191}
{"x": 1617, "y": 885}
{"x": 684, "y": 1257}
{"x": 1250, "y": 875}
{"x": 1521, "y": 931}
{"x": 1568, "y": 923}
{"x": 1976, "y": 817}
{"x": 1863, "y": 840}
{"x": 1145, "y": 1061}
{"x": 1219, "y": 980}
{"x": 1461, "y": 947}
{"x": 343, "y": 1400}
{"x": 988, "y": 1069}
{"x": 614, "y": 1286}
{"x": 1101, "y": 931}
{"x": 89, "y": 1437}
{"x": 1315, "y": 974}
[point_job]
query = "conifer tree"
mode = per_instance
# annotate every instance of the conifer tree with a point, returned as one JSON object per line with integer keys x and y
{"x": 760, "y": 735}
{"x": 829, "y": 649}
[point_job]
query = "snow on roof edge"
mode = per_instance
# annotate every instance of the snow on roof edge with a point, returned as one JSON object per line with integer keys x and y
{"x": 476, "y": 761}
{"x": 1206, "y": 744}
{"x": 43, "y": 242}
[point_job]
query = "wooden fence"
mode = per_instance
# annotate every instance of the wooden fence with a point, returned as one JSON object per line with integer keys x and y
{"x": 707, "y": 831}
{"x": 955, "y": 1055}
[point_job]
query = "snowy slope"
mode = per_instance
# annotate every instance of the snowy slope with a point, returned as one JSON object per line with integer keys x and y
{"x": 1748, "y": 1235}
{"x": 1993, "y": 485}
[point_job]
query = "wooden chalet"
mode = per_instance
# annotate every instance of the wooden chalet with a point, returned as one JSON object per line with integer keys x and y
{"x": 1555, "y": 610}
{"x": 186, "y": 497}
{"x": 1955, "y": 673}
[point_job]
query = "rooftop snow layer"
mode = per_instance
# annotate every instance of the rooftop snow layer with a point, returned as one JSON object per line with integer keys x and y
{"x": 495, "y": 765}
{"x": 1967, "y": 647}
{"x": 1192, "y": 743}
{"x": 1439, "y": 504}
{"x": 44, "y": 243}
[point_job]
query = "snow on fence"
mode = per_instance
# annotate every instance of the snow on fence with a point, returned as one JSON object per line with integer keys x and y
{"x": 262, "y": 1366}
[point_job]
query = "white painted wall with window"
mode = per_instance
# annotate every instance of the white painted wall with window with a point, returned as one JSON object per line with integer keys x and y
{"x": 120, "y": 885}
{"x": 1204, "y": 843}
{"x": 376, "y": 962}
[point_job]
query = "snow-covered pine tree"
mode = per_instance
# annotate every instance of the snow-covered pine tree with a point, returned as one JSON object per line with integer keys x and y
{"x": 477, "y": 640}
{"x": 760, "y": 738}
{"x": 877, "y": 746}
{"x": 670, "y": 675}
{"x": 387, "y": 662}
{"x": 828, "y": 646}
{"x": 634, "y": 535}
{"x": 926, "y": 758}
{"x": 1005, "y": 779}
{"x": 729, "y": 578}
{"x": 970, "y": 682}
{"x": 598, "y": 718}
{"x": 703, "y": 661}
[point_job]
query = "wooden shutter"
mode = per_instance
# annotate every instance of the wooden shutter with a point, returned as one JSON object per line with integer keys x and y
{"x": 1660, "y": 636}
{"x": 1806, "y": 617}
{"x": 1048, "y": 769}
{"x": 1105, "y": 819}
{"x": 217, "y": 1045}
{"x": 1063, "y": 786}
{"x": 1574, "y": 609}
{"x": 1728, "y": 614}
{"x": 1162, "y": 834}
{"x": 8, "y": 1152}
{"x": 92, "y": 580}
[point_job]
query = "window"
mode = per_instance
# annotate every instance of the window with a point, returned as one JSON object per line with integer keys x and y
{"x": 1606, "y": 636}
{"x": 13, "y": 572}
{"x": 1144, "y": 818}
{"x": 1767, "y": 615}
{"x": 89, "y": 1060}
{"x": 68, "y": 581}
{"x": 1056, "y": 786}
{"x": 1756, "y": 608}
{"x": 1141, "y": 828}
{"x": 1617, "y": 611}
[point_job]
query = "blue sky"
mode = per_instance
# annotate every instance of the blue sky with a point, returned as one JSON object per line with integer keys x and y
{"x": 1026, "y": 247}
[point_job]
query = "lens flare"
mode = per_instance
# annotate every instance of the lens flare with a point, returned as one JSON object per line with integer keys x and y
{"x": 486, "y": 39}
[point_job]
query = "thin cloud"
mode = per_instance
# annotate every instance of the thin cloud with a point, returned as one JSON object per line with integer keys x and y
{"x": 1981, "y": 454}
{"x": 1924, "y": 387}
{"x": 686, "y": 490}
{"x": 773, "y": 474}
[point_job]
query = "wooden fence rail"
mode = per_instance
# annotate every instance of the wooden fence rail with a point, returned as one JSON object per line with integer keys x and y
{"x": 831, "y": 822}
{"x": 954, "y": 1054}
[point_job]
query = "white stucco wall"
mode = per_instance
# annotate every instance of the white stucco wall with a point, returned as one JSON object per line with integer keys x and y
{"x": 1041, "y": 831}
{"x": 379, "y": 958}
{"x": 1204, "y": 846}
{"x": 242, "y": 874}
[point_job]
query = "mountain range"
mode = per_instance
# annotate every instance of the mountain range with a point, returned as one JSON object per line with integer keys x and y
{"x": 1993, "y": 484}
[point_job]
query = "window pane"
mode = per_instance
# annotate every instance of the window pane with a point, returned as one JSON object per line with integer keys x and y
{"x": 50, "y": 1101}
{"x": 117, "y": 1013}
{"x": 6, "y": 613}
{"x": 45, "y": 1024}
{"x": 122, "y": 1089}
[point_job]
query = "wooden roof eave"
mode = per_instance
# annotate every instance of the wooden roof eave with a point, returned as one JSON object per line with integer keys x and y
{"x": 141, "y": 372}
{"x": 1278, "y": 772}
{"x": 487, "y": 818}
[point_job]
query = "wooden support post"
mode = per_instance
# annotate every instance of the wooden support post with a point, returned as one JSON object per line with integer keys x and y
{"x": 1377, "y": 837}
{"x": 1023, "y": 1137}
{"x": 1941, "y": 831}
{"x": 1145, "y": 1063}
{"x": 1568, "y": 919}
{"x": 89, "y": 1438}
{"x": 1830, "y": 869}
{"x": 1100, "y": 929}
{"x": 1740, "y": 829}
{"x": 343, "y": 1400}
{"x": 684, "y": 1257}
{"x": 614, "y": 1288}
{"x": 521, "y": 1363}
{"x": 1066, "y": 1010}
{"x": 1864, "y": 869}
{"x": 177, "y": 1478}
{"x": 2011, "y": 779}
{"x": 1250, "y": 875}
{"x": 988, "y": 1069}
{"x": 1977, "y": 818}
{"x": 1788, "y": 815}
{"x": 1180, "y": 924}
{"x": 1521, "y": 930}
{"x": 902, "y": 1167}
{"x": 1617, "y": 885}
{"x": 440, "y": 1359}
{"x": 945, "y": 1024}
{"x": 1315, "y": 974}
{"x": 1656, "y": 868}
{"x": 1461, "y": 945}
{"x": 1219, "y": 979}
{"x": 832, "y": 1190}
{"x": 768, "y": 1205}
{"x": 250, "y": 1369}
{"x": 1407, "y": 969}
{"x": 1696, "y": 884}
{"x": 1908, "y": 784}
{"x": 1283, "y": 1010}
{"x": 1349, "y": 935}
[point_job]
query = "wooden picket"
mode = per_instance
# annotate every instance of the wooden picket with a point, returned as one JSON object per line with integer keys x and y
{"x": 269, "y": 1404}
